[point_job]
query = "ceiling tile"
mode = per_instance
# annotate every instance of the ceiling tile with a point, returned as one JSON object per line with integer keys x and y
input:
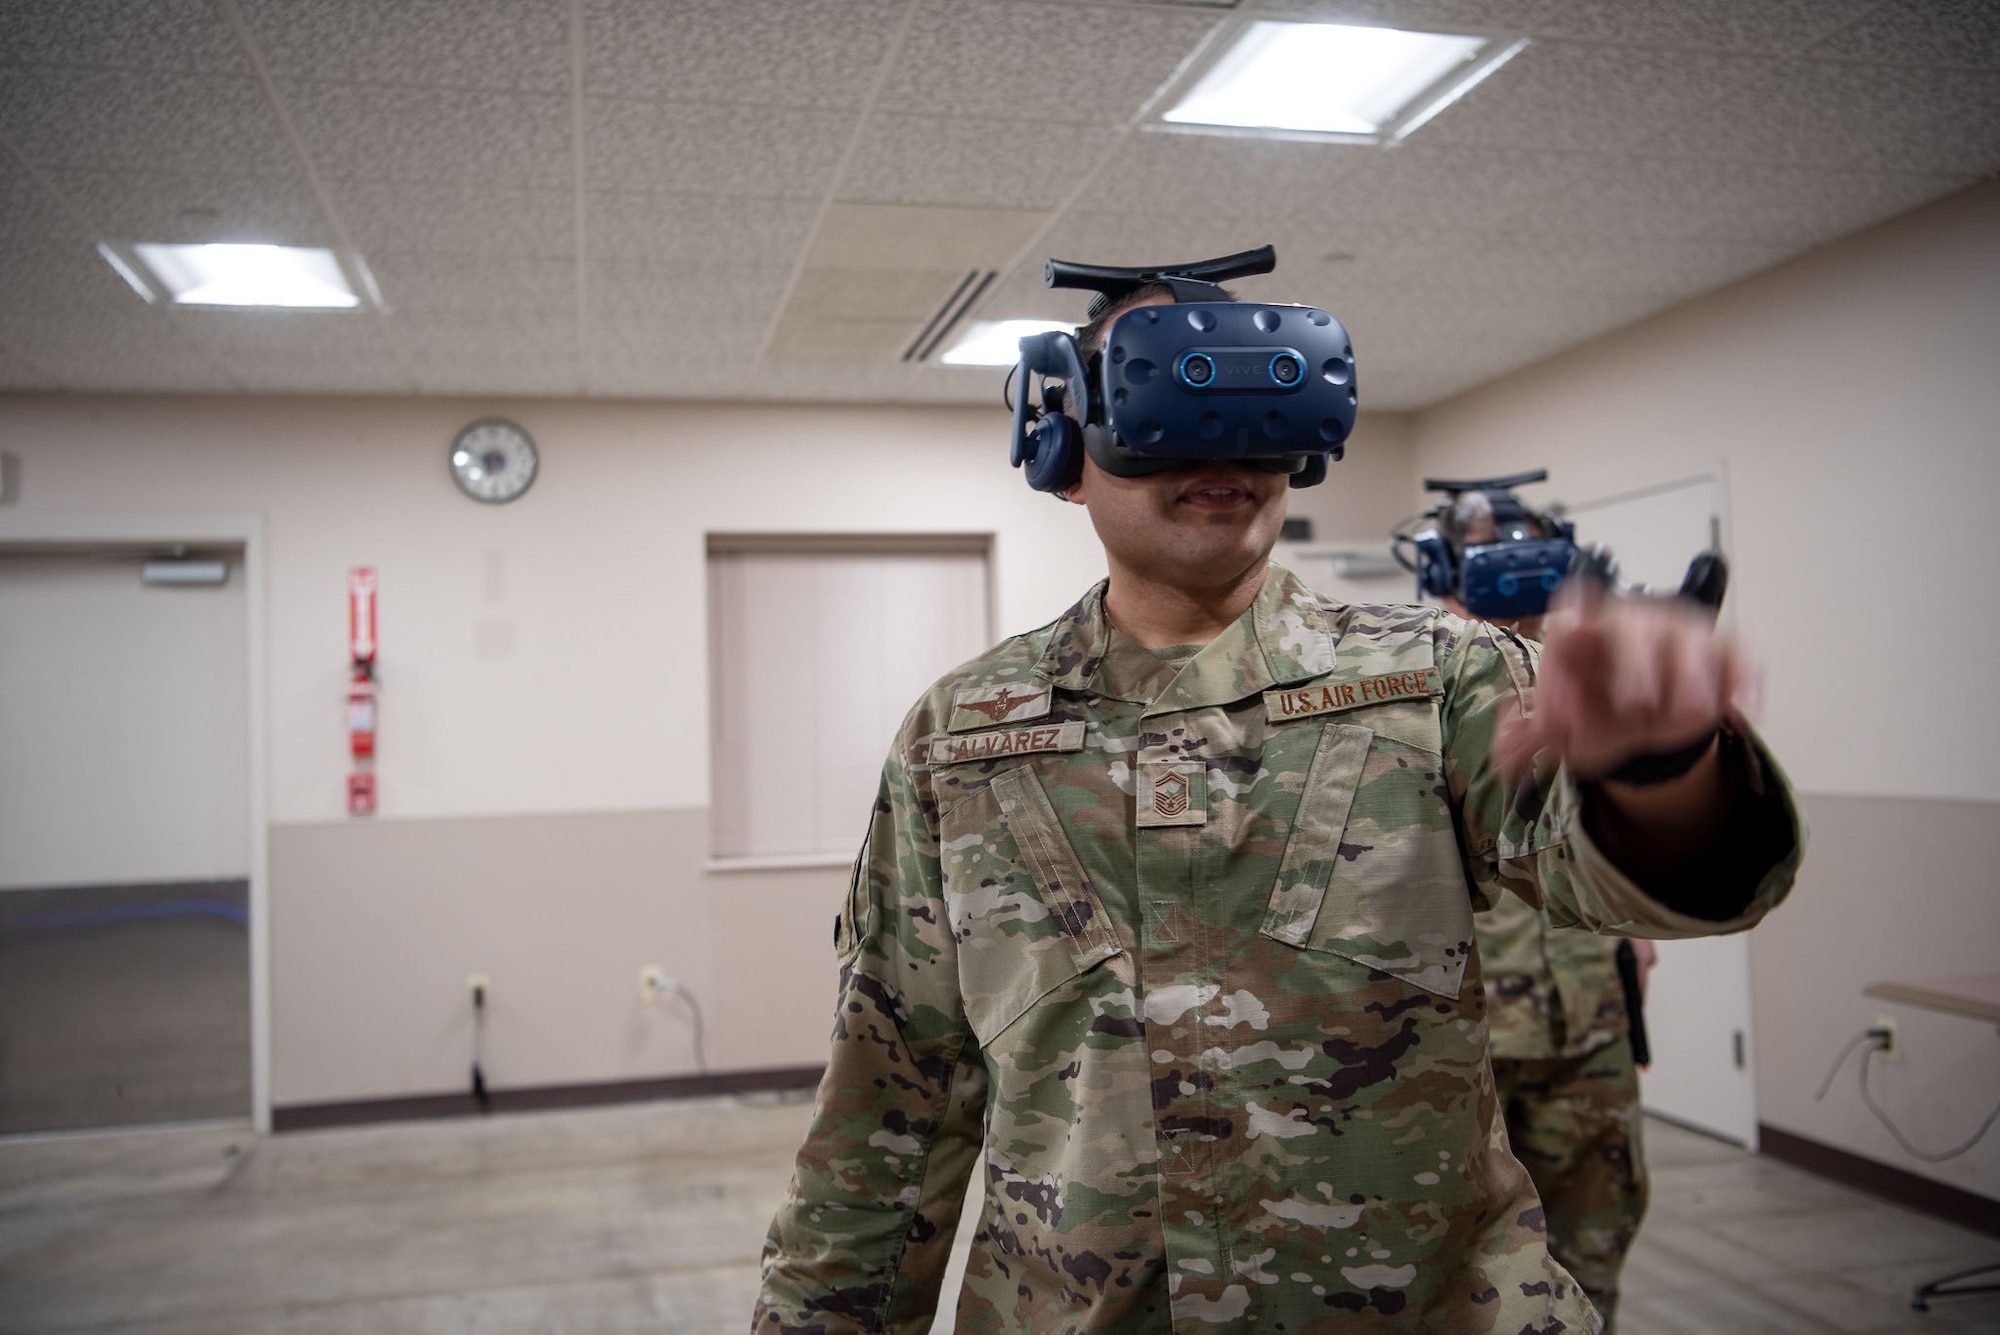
{"x": 1169, "y": 171}
{"x": 834, "y": 339}
{"x": 1570, "y": 96}
{"x": 892, "y": 236}
{"x": 525, "y": 288}
{"x": 792, "y": 53}
{"x": 188, "y": 36}
{"x": 518, "y": 45}
{"x": 1850, "y": 117}
{"x": 1044, "y": 62}
{"x": 458, "y": 354}
{"x": 702, "y": 148}
{"x": 1939, "y": 33}
{"x": 1689, "y": 198}
{"x": 191, "y": 208}
{"x": 55, "y": 268}
{"x": 464, "y": 216}
{"x": 688, "y": 296}
{"x": 654, "y": 358}
{"x": 436, "y": 135}
{"x": 1440, "y": 185}
{"x": 128, "y": 121}
{"x": 19, "y": 376}
{"x": 31, "y": 217}
{"x": 112, "y": 346}
{"x": 292, "y": 352}
{"x": 682, "y": 229}
{"x": 971, "y": 161}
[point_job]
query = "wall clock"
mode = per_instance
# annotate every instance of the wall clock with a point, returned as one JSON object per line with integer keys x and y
{"x": 493, "y": 460}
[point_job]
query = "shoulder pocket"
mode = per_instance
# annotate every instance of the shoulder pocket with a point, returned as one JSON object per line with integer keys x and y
{"x": 1371, "y": 870}
{"x": 1024, "y": 914}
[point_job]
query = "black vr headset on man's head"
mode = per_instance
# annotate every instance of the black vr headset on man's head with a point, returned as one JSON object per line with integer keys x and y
{"x": 1207, "y": 377}
{"x": 1507, "y": 576}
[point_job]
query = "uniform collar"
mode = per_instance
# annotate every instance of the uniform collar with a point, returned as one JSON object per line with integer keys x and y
{"x": 1283, "y": 637}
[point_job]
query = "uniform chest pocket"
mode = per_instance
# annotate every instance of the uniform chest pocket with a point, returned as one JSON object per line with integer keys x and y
{"x": 1371, "y": 870}
{"x": 1022, "y": 911}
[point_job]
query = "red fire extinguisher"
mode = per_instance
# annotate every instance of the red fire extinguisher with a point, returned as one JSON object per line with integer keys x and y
{"x": 361, "y": 712}
{"x": 361, "y": 586}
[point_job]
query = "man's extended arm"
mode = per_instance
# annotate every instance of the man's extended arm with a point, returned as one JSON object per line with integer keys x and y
{"x": 861, "y": 1241}
{"x": 1712, "y": 850}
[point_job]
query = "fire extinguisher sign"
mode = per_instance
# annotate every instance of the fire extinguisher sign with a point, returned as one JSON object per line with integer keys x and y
{"x": 361, "y": 614}
{"x": 361, "y": 646}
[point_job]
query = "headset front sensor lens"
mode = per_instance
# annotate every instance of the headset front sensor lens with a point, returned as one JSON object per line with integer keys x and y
{"x": 1197, "y": 369}
{"x": 1285, "y": 369}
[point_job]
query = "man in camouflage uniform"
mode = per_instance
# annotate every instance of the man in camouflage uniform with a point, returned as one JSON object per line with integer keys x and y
{"x": 1163, "y": 926}
{"x": 1562, "y": 1050}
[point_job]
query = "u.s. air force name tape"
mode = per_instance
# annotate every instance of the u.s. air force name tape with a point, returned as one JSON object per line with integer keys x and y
{"x": 1333, "y": 696}
{"x": 1006, "y": 742}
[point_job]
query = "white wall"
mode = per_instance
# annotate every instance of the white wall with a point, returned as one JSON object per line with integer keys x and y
{"x": 1852, "y": 397}
{"x": 543, "y": 748}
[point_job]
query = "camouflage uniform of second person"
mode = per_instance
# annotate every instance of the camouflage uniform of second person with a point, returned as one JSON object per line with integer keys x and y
{"x": 1179, "y": 959}
{"x": 1569, "y": 1091}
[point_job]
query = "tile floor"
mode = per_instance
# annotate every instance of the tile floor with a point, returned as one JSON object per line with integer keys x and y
{"x": 649, "y": 1218}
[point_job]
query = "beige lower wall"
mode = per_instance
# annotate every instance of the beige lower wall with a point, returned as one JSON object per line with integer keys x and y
{"x": 1894, "y": 888}
{"x": 375, "y": 927}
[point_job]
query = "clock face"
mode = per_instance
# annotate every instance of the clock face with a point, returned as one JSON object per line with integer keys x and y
{"x": 493, "y": 461}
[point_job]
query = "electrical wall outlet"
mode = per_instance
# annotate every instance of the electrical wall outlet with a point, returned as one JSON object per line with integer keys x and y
{"x": 478, "y": 989}
{"x": 654, "y": 983}
{"x": 1891, "y": 1048}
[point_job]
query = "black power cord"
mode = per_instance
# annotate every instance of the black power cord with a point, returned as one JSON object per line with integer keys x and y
{"x": 1878, "y": 1040}
{"x": 479, "y": 1094}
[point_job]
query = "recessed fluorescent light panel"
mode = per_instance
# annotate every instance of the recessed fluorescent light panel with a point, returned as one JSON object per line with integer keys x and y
{"x": 1333, "y": 81}
{"x": 295, "y": 277}
{"x": 996, "y": 342}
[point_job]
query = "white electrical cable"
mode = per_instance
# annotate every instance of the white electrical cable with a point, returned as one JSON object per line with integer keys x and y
{"x": 1877, "y": 1039}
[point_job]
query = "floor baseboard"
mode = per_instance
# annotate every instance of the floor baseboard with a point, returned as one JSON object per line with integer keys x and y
{"x": 310, "y": 1116}
{"x": 1965, "y": 1208}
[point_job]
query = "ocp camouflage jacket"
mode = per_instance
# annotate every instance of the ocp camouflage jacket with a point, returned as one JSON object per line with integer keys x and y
{"x": 1180, "y": 961}
{"x": 1551, "y": 991}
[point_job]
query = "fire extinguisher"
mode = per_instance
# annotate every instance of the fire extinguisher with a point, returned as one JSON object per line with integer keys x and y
{"x": 361, "y": 711}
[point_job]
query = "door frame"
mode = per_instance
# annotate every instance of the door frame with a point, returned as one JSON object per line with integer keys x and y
{"x": 57, "y": 531}
{"x": 1715, "y": 474}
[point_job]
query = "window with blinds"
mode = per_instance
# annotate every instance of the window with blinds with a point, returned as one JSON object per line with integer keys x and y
{"x": 818, "y": 648}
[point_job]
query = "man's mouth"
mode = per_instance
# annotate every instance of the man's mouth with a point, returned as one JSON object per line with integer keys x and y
{"x": 1215, "y": 493}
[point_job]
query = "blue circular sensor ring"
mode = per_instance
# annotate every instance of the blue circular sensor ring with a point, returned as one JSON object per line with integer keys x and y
{"x": 1549, "y": 580}
{"x": 1509, "y": 585}
{"x": 1293, "y": 364}
{"x": 1207, "y": 376}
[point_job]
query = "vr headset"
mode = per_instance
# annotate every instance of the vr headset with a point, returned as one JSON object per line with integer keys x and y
{"x": 1509, "y": 576}
{"x": 1207, "y": 377}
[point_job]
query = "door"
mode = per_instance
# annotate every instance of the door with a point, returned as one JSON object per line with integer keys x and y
{"x": 124, "y": 845}
{"x": 1698, "y": 999}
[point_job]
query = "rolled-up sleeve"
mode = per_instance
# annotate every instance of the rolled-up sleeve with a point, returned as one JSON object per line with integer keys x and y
{"x": 1528, "y": 834}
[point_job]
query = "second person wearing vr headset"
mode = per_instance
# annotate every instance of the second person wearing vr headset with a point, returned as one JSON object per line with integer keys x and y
{"x": 1564, "y": 1022}
{"x": 1163, "y": 922}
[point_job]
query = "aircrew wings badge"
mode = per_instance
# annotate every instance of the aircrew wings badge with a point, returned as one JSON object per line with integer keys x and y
{"x": 984, "y": 706}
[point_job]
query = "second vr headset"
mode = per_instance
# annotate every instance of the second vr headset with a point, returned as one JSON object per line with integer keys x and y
{"x": 1207, "y": 377}
{"x": 1506, "y": 574}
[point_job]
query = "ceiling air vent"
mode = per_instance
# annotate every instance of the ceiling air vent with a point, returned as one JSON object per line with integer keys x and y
{"x": 946, "y": 317}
